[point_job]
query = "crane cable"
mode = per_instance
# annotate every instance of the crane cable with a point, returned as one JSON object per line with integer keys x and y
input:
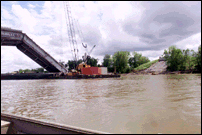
{"x": 71, "y": 31}
{"x": 85, "y": 46}
{"x": 65, "y": 9}
{"x": 81, "y": 37}
{"x": 80, "y": 33}
{"x": 74, "y": 35}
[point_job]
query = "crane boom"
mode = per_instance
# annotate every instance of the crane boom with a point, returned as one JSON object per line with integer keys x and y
{"x": 71, "y": 34}
{"x": 91, "y": 50}
{"x": 71, "y": 31}
{"x": 86, "y": 57}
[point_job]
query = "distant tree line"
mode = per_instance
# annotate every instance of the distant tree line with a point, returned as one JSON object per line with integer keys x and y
{"x": 181, "y": 60}
{"x": 123, "y": 62}
{"x": 37, "y": 70}
{"x": 176, "y": 59}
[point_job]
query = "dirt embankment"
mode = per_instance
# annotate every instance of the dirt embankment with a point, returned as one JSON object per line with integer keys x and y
{"x": 159, "y": 67}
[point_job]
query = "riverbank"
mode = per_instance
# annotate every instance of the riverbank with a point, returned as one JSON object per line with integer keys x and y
{"x": 158, "y": 67}
{"x": 143, "y": 72}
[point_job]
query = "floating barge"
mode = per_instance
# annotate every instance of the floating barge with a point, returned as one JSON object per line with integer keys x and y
{"x": 25, "y": 76}
{"x": 13, "y": 124}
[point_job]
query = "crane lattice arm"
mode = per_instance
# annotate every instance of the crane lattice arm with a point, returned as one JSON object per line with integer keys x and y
{"x": 88, "y": 56}
{"x": 91, "y": 50}
{"x": 71, "y": 31}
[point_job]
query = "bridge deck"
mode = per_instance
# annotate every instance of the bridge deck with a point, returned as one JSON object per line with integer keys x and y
{"x": 12, "y": 37}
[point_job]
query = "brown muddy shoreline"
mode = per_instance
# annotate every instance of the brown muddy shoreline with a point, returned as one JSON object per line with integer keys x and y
{"x": 161, "y": 73}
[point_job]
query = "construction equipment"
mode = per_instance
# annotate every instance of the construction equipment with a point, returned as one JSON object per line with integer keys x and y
{"x": 87, "y": 57}
{"x": 71, "y": 31}
{"x": 73, "y": 42}
{"x": 82, "y": 65}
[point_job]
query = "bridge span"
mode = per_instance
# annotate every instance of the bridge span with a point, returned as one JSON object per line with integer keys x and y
{"x": 12, "y": 37}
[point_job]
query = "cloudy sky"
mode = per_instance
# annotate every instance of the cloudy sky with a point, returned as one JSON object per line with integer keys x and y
{"x": 145, "y": 27}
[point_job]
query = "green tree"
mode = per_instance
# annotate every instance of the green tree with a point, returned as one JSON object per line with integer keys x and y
{"x": 137, "y": 59}
{"x": 174, "y": 58}
{"x": 92, "y": 62}
{"x": 108, "y": 62}
{"x": 133, "y": 61}
{"x": 143, "y": 60}
{"x": 40, "y": 70}
{"x": 197, "y": 57}
{"x": 36, "y": 70}
{"x": 26, "y": 70}
{"x": 120, "y": 61}
{"x": 187, "y": 60}
{"x": 21, "y": 71}
{"x": 71, "y": 64}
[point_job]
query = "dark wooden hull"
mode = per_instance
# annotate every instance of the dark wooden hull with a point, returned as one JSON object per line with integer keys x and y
{"x": 51, "y": 76}
{"x": 24, "y": 125}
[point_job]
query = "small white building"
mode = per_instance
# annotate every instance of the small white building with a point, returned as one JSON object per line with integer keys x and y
{"x": 104, "y": 70}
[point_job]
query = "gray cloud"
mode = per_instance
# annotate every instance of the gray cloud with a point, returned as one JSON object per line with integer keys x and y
{"x": 171, "y": 19}
{"x": 162, "y": 24}
{"x": 92, "y": 35}
{"x": 57, "y": 40}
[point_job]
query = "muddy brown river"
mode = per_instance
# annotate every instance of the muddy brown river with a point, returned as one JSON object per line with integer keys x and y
{"x": 130, "y": 104}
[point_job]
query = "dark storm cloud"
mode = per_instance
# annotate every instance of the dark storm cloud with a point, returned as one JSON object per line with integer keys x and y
{"x": 154, "y": 41}
{"x": 171, "y": 20}
{"x": 150, "y": 36}
{"x": 179, "y": 21}
{"x": 114, "y": 46}
{"x": 162, "y": 24}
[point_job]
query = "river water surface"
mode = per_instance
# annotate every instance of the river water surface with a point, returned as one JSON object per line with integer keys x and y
{"x": 130, "y": 104}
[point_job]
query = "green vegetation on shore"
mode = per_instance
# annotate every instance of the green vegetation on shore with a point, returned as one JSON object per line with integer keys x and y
{"x": 122, "y": 62}
{"x": 37, "y": 70}
{"x": 182, "y": 60}
{"x": 145, "y": 65}
{"x": 176, "y": 60}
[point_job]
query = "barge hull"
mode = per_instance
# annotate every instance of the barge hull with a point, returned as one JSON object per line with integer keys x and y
{"x": 52, "y": 76}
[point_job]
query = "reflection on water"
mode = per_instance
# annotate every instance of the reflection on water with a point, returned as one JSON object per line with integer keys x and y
{"x": 131, "y": 104}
